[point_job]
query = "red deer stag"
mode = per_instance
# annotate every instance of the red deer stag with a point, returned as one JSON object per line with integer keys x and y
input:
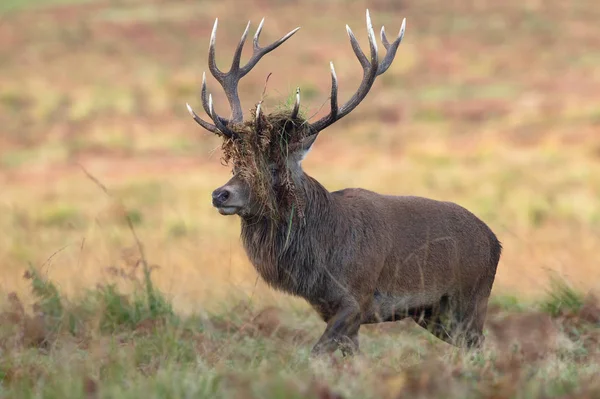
{"x": 356, "y": 256}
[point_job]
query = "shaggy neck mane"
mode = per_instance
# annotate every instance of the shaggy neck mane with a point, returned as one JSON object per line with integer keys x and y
{"x": 310, "y": 192}
{"x": 282, "y": 241}
{"x": 283, "y": 250}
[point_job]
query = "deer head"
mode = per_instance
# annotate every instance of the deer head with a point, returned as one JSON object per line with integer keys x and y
{"x": 266, "y": 151}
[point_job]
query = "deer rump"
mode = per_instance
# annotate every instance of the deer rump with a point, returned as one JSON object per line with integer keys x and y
{"x": 385, "y": 258}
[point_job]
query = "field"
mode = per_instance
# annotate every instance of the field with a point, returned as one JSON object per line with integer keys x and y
{"x": 119, "y": 279}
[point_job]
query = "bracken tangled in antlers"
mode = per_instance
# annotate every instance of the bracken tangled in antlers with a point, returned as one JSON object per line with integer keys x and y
{"x": 261, "y": 159}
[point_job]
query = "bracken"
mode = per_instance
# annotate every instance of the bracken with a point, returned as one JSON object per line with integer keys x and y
{"x": 260, "y": 157}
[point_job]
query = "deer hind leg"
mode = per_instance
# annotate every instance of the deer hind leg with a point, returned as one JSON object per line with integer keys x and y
{"x": 433, "y": 320}
{"x": 341, "y": 331}
{"x": 474, "y": 337}
{"x": 471, "y": 316}
{"x": 459, "y": 323}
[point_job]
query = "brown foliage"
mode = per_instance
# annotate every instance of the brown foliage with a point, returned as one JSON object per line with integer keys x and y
{"x": 426, "y": 381}
{"x": 261, "y": 155}
{"x": 90, "y": 387}
{"x": 267, "y": 323}
{"x": 531, "y": 335}
{"x": 590, "y": 311}
{"x": 24, "y": 330}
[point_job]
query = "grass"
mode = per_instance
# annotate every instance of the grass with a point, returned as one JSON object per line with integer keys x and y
{"x": 109, "y": 344}
{"x": 562, "y": 299}
{"x": 492, "y": 106}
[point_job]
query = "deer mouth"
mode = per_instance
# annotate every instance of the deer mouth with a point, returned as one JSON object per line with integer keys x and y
{"x": 228, "y": 210}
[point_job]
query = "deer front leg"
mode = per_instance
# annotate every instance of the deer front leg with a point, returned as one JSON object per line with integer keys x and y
{"x": 341, "y": 331}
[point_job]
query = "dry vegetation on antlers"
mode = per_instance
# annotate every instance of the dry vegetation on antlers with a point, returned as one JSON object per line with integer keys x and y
{"x": 492, "y": 105}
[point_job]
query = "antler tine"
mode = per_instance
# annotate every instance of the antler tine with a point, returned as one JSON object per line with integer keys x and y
{"x": 371, "y": 69}
{"x": 259, "y": 52}
{"x": 229, "y": 80}
{"x": 204, "y": 94}
{"x": 364, "y": 62}
{"x": 296, "y": 105}
{"x": 372, "y": 43}
{"x": 235, "y": 64}
{"x": 384, "y": 39}
{"x": 212, "y": 63}
{"x": 334, "y": 93}
{"x": 390, "y": 48}
{"x": 200, "y": 121}
{"x": 219, "y": 122}
{"x": 257, "y": 119}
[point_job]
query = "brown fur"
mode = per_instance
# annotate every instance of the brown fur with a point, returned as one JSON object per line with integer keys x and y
{"x": 357, "y": 256}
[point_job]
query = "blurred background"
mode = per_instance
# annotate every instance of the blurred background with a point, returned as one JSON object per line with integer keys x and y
{"x": 493, "y": 105}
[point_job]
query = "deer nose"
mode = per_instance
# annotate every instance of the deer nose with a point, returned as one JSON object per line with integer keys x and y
{"x": 220, "y": 196}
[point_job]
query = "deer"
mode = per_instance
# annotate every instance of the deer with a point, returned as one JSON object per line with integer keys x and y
{"x": 356, "y": 256}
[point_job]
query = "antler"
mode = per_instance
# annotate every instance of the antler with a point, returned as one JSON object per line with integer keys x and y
{"x": 371, "y": 69}
{"x": 229, "y": 80}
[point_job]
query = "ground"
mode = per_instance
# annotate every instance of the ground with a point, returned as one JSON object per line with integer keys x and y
{"x": 495, "y": 106}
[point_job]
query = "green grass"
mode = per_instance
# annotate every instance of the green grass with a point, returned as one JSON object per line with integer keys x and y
{"x": 562, "y": 298}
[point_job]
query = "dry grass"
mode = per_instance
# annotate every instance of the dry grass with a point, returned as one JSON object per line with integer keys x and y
{"x": 495, "y": 106}
{"x": 106, "y": 344}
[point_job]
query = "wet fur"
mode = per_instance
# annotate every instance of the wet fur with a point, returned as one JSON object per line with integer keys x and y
{"x": 360, "y": 257}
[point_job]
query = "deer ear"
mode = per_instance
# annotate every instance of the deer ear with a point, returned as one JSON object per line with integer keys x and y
{"x": 302, "y": 148}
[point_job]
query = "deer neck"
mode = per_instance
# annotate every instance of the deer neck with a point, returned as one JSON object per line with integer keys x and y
{"x": 277, "y": 249}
